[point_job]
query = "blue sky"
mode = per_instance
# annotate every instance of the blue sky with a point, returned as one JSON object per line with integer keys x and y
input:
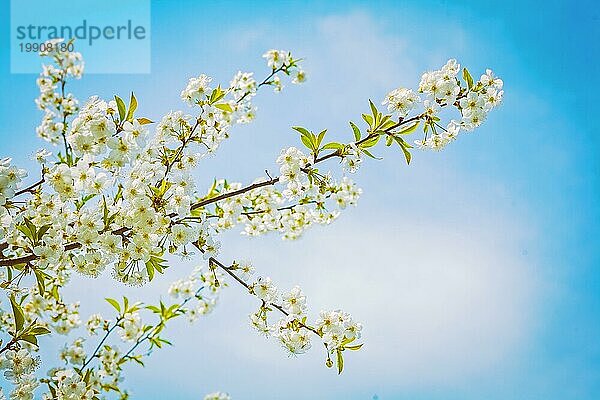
{"x": 476, "y": 274}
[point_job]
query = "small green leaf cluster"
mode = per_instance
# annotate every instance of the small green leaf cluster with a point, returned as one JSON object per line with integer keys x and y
{"x": 22, "y": 331}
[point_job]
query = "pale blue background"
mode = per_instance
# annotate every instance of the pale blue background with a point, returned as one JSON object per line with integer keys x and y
{"x": 478, "y": 277}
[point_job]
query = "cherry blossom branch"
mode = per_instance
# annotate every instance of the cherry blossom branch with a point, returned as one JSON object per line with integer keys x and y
{"x": 230, "y": 272}
{"x": 191, "y": 136}
{"x": 108, "y": 332}
{"x": 63, "y": 132}
{"x": 274, "y": 180}
{"x": 264, "y": 82}
{"x": 31, "y": 257}
{"x": 211, "y": 200}
{"x": 178, "y": 311}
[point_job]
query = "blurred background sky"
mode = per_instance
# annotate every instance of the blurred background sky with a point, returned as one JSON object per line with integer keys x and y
{"x": 474, "y": 270}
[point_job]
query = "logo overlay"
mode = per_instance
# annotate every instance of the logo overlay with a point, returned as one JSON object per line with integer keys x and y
{"x": 113, "y": 35}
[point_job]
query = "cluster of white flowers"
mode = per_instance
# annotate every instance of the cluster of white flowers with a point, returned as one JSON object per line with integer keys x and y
{"x": 94, "y": 323}
{"x": 199, "y": 291}
{"x": 352, "y": 158}
{"x": 74, "y": 353}
{"x": 10, "y": 181}
{"x": 19, "y": 366}
{"x": 70, "y": 386}
{"x": 444, "y": 88}
{"x": 486, "y": 95}
{"x": 243, "y": 87}
{"x": 442, "y": 84}
{"x": 56, "y": 103}
{"x": 292, "y": 161}
{"x": 401, "y": 101}
{"x": 61, "y": 317}
{"x": 337, "y": 329}
{"x": 243, "y": 84}
{"x": 119, "y": 194}
{"x": 196, "y": 90}
{"x": 131, "y": 327}
{"x": 97, "y": 135}
{"x": 283, "y": 60}
{"x": 346, "y": 193}
{"x": 277, "y": 58}
{"x": 289, "y": 211}
{"x": 67, "y": 383}
{"x": 109, "y": 370}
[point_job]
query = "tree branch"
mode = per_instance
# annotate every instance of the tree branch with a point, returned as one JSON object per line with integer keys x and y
{"x": 241, "y": 282}
{"x": 31, "y": 187}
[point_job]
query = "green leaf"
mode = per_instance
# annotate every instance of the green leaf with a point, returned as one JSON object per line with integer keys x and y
{"x": 132, "y": 107}
{"x": 468, "y": 78}
{"x": 144, "y": 121}
{"x": 120, "y": 107}
{"x": 41, "y": 281}
{"x": 111, "y": 387}
{"x": 54, "y": 293}
{"x": 410, "y": 129}
{"x": 356, "y": 131}
{"x": 26, "y": 231}
{"x": 368, "y": 153}
{"x": 308, "y": 138}
{"x": 368, "y": 119}
{"x": 370, "y": 142}
{"x": 150, "y": 270}
{"x": 404, "y": 146}
{"x": 377, "y": 120}
{"x": 38, "y": 330}
{"x": 29, "y": 338}
{"x": 387, "y": 126}
{"x": 17, "y": 313}
{"x": 225, "y": 107}
{"x": 114, "y": 303}
{"x": 340, "y": 361}
{"x": 86, "y": 377}
{"x": 402, "y": 142}
{"x": 216, "y": 95}
{"x": 137, "y": 359}
{"x": 407, "y": 155}
{"x": 333, "y": 146}
{"x": 42, "y": 231}
{"x": 154, "y": 309}
{"x": 357, "y": 347}
{"x": 31, "y": 226}
{"x": 373, "y": 109}
{"x": 156, "y": 342}
{"x": 302, "y": 130}
{"x": 320, "y": 138}
{"x": 307, "y": 142}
